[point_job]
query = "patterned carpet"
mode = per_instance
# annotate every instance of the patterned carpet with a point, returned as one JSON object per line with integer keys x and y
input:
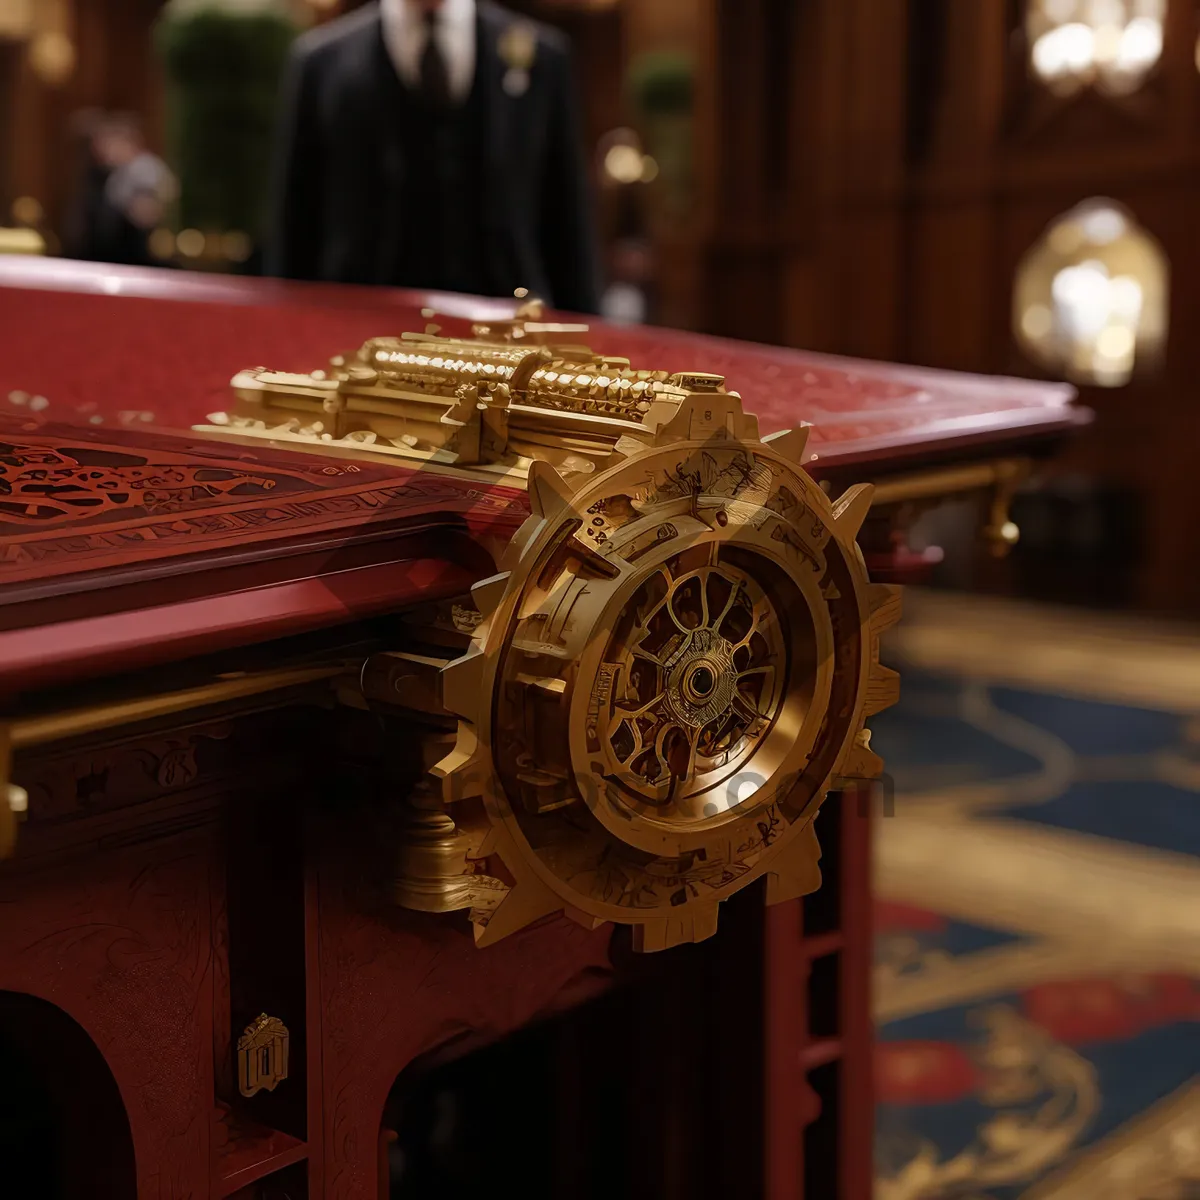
{"x": 1038, "y": 951}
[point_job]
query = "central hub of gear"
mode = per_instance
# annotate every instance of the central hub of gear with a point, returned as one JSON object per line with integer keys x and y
{"x": 701, "y": 679}
{"x": 696, "y": 667}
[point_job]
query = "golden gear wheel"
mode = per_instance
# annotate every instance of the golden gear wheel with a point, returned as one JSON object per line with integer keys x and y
{"x": 673, "y": 668}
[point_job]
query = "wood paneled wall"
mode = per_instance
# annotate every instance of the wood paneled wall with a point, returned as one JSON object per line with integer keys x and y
{"x": 115, "y": 70}
{"x": 868, "y": 174}
{"x": 877, "y": 168}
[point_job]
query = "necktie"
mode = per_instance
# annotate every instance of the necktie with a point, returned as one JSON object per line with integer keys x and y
{"x": 435, "y": 79}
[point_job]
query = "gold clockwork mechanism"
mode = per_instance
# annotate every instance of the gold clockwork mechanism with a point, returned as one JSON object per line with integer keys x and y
{"x": 674, "y": 664}
{"x": 672, "y": 670}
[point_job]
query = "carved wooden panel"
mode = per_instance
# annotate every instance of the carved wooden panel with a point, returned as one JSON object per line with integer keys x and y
{"x": 121, "y": 943}
{"x": 72, "y": 500}
{"x": 393, "y": 985}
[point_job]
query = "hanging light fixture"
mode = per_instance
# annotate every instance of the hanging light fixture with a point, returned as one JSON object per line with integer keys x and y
{"x": 49, "y": 33}
{"x": 1091, "y": 296}
{"x": 1109, "y": 44}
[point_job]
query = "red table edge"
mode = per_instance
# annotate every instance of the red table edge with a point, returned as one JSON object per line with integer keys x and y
{"x": 71, "y": 651}
{"x": 1052, "y": 415}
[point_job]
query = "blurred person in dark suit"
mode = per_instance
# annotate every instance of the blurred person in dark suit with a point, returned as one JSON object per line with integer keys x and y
{"x": 434, "y": 144}
{"x": 121, "y": 195}
{"x": 83, "y": 216}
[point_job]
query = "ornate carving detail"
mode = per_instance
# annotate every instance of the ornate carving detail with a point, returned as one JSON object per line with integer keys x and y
{"x": 134, "y": 926}
{"x": 118, "y": 775}
{"x": 505, "y": 396}
{"x": 203, "y": 500}
{"x": 41, "y": 485}
{"x": 262, "y": 1055}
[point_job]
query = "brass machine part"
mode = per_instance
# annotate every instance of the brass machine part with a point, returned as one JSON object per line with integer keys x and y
{"x": 262, "y": 1053}
{"x": 674, "y": 663}
{"x": 49, "y": 727}
{"x": 671, "y": 669}
{"x": 998, "y": 480}
{"x": 14, "y": 800}
{"x": 494, "y": 402}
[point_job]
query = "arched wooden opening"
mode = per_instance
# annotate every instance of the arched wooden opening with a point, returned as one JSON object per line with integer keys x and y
{"x": 655, "y": 1089}
{"x": 64, "y": 1134}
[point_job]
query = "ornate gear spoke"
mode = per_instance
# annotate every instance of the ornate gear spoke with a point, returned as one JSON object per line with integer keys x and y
{"x": 733, "y": 598}
{"x": 631, "y": 714}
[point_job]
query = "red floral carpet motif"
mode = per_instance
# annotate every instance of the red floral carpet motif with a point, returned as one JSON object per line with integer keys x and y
{"x": 1018, "y": 1064}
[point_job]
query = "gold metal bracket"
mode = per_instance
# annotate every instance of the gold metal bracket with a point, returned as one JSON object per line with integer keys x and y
{"x": 1000, "y": 479}
{"x": 262, "y": 1055}
{"x": 14, "y": 800}
{"x": 57, "y": 726}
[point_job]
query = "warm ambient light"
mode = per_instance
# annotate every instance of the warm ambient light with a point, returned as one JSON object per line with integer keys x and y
{"x": 623, "y": 164}
{"x": 1091, "y": 296}
{"x": 26, "y": 210}
{"x": 16, "y": 18}
{"x": 190, "y": 243}
{"x": 622, "y": 160}
{"x": 162, "y": 244}
{"x": 1110, "y": 43}
{"x": 236, "y": 246}
{"x": 52, "y": 56}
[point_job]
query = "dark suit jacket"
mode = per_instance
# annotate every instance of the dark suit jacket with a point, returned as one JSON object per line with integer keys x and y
{"x": 336, "y": 209}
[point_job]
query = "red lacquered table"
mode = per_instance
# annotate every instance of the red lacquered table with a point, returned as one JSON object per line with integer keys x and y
{"x": 173, "y": 881}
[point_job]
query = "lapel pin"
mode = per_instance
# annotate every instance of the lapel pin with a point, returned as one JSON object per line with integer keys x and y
{"x": 518, "y": 49}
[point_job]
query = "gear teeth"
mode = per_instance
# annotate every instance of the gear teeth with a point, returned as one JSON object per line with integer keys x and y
{"x": 798, "y": 873}
{"x": 585, "y": 919}
{"x": 883, "y": 690}
{"x": 462, "y": 773}
{"x": 511, "y": 555}
{"x": 530, "y": 900}
{"x": 490, "y": 844}
{"x": 462, "y": 682}
{"x": 790, "y": 443}
{"x": 488, "y": 593}
{"x": 850, "y": 510}
{"x": 625, "y": 448}
{"x": 860, "y": 763}
{"x": 699, "y": 923}
{"x": 885, "y": 603}
{"x": 549, "y": 493}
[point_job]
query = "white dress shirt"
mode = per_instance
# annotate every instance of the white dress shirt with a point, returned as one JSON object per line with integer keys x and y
{"x": 404, "y": 34}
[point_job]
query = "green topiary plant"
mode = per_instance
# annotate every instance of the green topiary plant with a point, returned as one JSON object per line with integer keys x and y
{"x": 661, "y": 91}
{"x": 662, "y": 83}
{"x": 223, "y": 61}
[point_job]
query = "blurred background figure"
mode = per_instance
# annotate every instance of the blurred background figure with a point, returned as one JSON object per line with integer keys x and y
{"x": 434, "y": 144}
{"x": 222, "y": 64}
{"x": 628, "y": 297}
{"x": 122, "y": 192}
